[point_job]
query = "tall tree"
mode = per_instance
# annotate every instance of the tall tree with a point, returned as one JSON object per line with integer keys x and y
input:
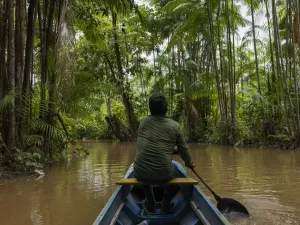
{"x": 3, "y": 38}
{"x": 11, "y": 138}
{"x": 131, "y": 117}
{"x": 255, "y": 48}
{"x": 31, "y": 20}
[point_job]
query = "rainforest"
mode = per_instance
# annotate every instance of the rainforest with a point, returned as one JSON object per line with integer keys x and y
{"x": 85, "y": 69}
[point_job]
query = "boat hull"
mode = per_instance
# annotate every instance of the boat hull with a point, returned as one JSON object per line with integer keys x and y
{"x": 191, "y": 206}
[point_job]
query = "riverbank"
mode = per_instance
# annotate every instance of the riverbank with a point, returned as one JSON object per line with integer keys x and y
{"x": 7, "y": 175}
{"x": 273, "y": 142}
{"x": 281, "y": 142}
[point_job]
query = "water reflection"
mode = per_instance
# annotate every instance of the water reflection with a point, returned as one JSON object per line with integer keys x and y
{"x": 265, "y": 181}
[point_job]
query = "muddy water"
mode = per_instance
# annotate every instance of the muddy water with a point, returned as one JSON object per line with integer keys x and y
{"x": 267, "y": 182}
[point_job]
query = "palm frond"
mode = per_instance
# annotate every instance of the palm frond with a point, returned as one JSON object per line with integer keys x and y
{"x": 33, "y": 140}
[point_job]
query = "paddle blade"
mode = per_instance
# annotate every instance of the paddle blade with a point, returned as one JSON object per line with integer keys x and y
{"x": 228, "y": 205}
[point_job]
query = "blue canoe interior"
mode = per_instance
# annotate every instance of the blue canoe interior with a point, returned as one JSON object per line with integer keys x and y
{"x": 191, "y": 206}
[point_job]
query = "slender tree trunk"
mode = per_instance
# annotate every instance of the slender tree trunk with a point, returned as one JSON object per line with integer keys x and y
{"x": 46, "y": 42}
{"x": 241, "y": 66}
{"x": 51, "y": 102}
{"x": 278, "y": 63}
{"x": 31, "y": 18}
{"x": 115, "y": 125}
{"x": 182, "y": 65}
{"x": 1, "y": 46}
{"x": 142, "y": 83}
{"x": 108, "y": 100}
{"x": 3, "y": 68}
{"x": 298, "y": 25}
{"x": 271, "y": 47}
{"x": 43, "y": 35}
{"x": 215, "y": 64}
{"x": 230, "y": 68}
{"x": 55, "y": 43}
{"x": 19, "y": 64}
{"x": 154, "y": 63}
{"x": 173, "y": 75}
{"x": 255, "y": 50}
{"x": 3, "y": 40}
{"x": 295, "y": 67}
{"x": 188, "y": 102}
{"x": 268, "y": 77}
{"x": 233, "y": 110}
{"x": 222, "y": 91}
{"x": 285, "y": 73}
{"x": 287, "y": 67}
{"x": 108, "y": 106}
{"x": 11, "y": 142}
{"x": 131, "y": 118}
{"x": 19, "y": 42}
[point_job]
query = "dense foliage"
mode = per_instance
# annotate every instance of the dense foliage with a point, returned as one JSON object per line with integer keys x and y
{"x": 85, "y": 69}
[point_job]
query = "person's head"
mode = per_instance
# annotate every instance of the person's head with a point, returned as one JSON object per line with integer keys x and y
{"x": 158, "y": 104}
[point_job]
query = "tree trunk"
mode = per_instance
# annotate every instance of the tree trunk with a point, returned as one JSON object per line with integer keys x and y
{"x": 233, "y": 106}
{"x": 278, "y": 63}
{"x": 3, "y": 69}
{"x": 178, "y": 68}
{"x": 108, "y": 106}
{"x": 108, "y": 100}
{"x": 297, "y": 22}
{"x": 215, "y": 64}
{"x": 285, "y": 74}
{"x": 19, "y": 42}
{"x": 46, "y": 41}
{"x": 51, "y": 97}
{"x": 131, "y": 118}
{"x": 293, "y": 68}
{"x": 43, "y": 35}
{"x": 3, "y": 33}
{"x": 19, "y": 64}
{"x": 178, "y": 110}
{"x": 118, "y": 129}
{"x": 172, "y": 81}
{"x": 154, "y": 64}
{"x": 222, "y": 89}
{"x": 271, "y": 47}
{"x": 55, "y": 43}
{"x": 11, "y": 142}
{"x": 230, "y": 69}
{"x": 31, "y": 18}
{"x": 255, "y": 50}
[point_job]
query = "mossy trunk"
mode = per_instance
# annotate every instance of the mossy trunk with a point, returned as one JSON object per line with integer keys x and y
{"x": 119, "y": 130}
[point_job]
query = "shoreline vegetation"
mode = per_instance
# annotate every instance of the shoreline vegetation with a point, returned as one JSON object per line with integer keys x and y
{"x": 85, "y": 69}
{"x": 7, "y": 174}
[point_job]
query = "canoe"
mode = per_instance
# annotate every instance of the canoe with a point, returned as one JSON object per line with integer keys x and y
{"x": 191, "y": 206}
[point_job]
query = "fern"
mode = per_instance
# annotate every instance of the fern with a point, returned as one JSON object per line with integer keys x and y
{"x": 8, "y": 101}
{"x": 33, "y": 140}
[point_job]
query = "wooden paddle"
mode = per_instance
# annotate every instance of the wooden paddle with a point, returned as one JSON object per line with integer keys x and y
{"x": 225, "y": 205}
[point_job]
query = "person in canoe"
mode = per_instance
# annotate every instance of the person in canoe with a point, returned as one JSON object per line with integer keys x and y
{"x": 157, "y": 137}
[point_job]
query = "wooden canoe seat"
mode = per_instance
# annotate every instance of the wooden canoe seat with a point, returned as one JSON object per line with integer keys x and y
{"x": 134, "y": 181}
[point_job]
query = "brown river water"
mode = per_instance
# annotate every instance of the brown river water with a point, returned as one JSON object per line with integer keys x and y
{"x": 73, "y": 193}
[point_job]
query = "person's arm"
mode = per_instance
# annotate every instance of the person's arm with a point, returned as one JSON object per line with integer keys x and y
{"x": 183, "y": 150}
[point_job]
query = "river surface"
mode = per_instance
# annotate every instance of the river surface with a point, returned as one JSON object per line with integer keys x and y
{"x": 267, "y": 182}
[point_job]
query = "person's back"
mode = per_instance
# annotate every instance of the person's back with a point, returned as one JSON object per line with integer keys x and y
{"x": 157, "y": 137}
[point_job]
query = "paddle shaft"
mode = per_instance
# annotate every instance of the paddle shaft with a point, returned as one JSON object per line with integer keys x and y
{"x": 218, "y": 198}
{"x": 225, "y": 204}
